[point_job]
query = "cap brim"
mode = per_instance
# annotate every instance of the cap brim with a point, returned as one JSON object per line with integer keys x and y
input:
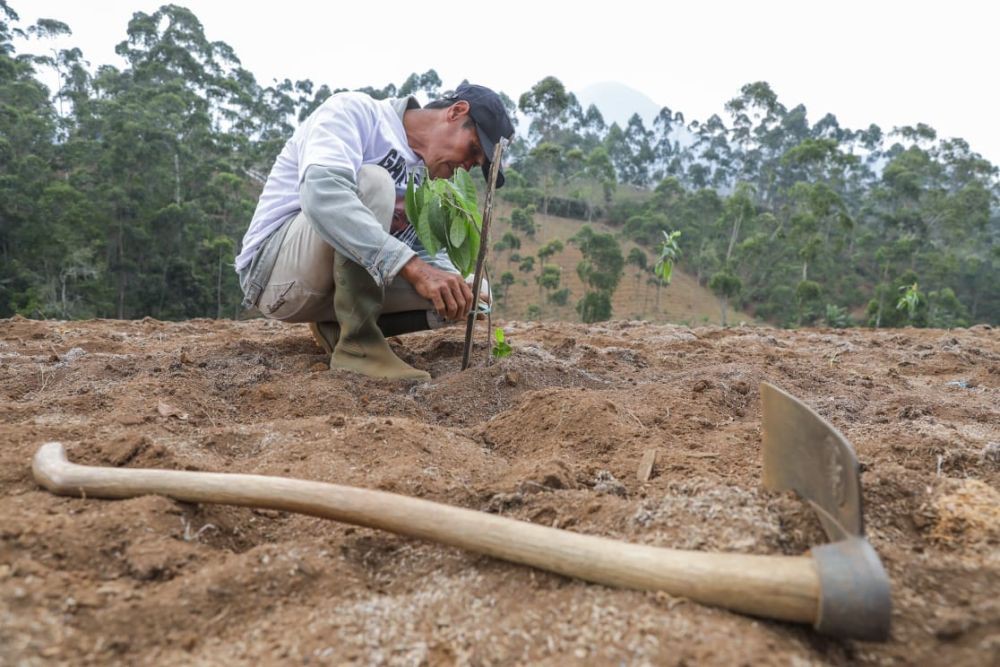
{"x": 488, "y": 146}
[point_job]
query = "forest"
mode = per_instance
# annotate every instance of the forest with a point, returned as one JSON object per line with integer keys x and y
{"x": 124, "y": 193}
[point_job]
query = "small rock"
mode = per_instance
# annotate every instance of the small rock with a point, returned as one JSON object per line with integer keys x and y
{"x": 605, "y": 483}
{"x": 74, "y": 354}
{"x": 700, "y": 386}
{"x": 501, "y": 502}
{"x": 167, "y": 410}
{"x": 512, "y": 378}
{"x": 131, "y": 419}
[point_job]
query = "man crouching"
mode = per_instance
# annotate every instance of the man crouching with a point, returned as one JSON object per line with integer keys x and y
{"x": 328, "y": 244}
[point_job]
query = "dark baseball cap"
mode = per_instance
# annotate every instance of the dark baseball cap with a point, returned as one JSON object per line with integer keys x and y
{"x": 492, "y": 122}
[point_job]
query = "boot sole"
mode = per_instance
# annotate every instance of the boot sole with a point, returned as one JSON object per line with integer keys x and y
{"x": 318, "y": 337}
{"x": 358, "y": 365}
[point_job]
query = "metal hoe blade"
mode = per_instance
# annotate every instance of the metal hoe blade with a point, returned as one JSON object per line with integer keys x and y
{"x": 805, "y": 453}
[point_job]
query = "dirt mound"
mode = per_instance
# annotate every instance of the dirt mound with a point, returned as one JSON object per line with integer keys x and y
{"x": 554, "y": 434}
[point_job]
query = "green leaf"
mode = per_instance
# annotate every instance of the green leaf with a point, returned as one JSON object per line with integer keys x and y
{"x": 501, "y": 348}
{"x": 422, "y": 191}
{"x": 665, "y": 270}
{"x": 412, "y": 210}
{"x": 462, "y": 258}
{"x": 438, "y": 222}
{"x": 422, "y": 226}
{"x": 459, "y": 228}
{"x": 474, "y": 243}
{"x": 468, "y": 188}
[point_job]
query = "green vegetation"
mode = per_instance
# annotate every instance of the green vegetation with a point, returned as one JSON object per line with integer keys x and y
{"x": 445, "y": 214}
{"x": 600, "y": 269}
{"x": 501, "y": 348}
{"x": 125, "y": 192}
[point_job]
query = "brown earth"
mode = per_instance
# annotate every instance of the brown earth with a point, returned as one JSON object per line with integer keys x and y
{"x": 553, "y": 434}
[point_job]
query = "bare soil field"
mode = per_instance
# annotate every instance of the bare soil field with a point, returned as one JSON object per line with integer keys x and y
{"x": 553, "y": 434}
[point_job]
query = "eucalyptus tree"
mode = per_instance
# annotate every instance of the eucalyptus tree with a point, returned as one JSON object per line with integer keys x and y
{"x": 726, "y": 286}
{"x": 523, "y": 220}
{"x": 548, "y": 156}
{"x": 429, "y": 83}
{"x": 27, "y": 129}
{"x": 638, "y": 141}
{"x": 509, "y": 242}
{"x": 506, "y": 280}
{"x": 601, "y": 173}
{"x": 638, "y": 259}
{"x": 549, "y": 249}
{"x": 548, "y": 279}
{"x": 714, "y": 153}
{"x": 600, "y": 270}
{"x": 548, "y": 104}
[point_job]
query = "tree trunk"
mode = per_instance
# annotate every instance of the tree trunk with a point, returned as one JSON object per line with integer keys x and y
{"x": 724, "y": 303}
{"x": 733, "y": 236}
{"x": 881, "y": 298}
{"x": 218, "y": 288}
{"x": 177, "y": 179}
{"x": 62, "y": 294}
{"x": 121, "y": 270}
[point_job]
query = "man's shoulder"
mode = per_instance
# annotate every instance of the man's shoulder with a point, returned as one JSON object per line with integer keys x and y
{"x": 350, "y": 99}
{"x": 360, "y": 104}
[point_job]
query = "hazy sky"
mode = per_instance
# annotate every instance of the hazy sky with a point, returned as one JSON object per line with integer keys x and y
{"x": 873, "y": 61}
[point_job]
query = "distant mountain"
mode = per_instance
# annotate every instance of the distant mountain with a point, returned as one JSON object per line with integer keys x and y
{"x": 617, "y": 102}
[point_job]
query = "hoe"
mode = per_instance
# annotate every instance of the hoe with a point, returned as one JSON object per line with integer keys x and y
{"x": 840, "y": 587}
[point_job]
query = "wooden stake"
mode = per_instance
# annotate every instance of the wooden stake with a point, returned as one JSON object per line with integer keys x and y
{"x": 484, "y": 244}
{"x": 646, "y": 465}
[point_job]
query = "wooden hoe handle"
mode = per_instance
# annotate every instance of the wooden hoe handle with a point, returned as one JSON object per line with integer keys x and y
{"x": 780, "y": 587}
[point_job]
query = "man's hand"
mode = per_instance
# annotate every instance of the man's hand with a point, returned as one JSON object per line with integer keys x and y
{"x": 451, "y": 296}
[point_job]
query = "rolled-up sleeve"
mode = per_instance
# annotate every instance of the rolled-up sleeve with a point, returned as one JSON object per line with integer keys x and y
{"x": 330, "y": 201}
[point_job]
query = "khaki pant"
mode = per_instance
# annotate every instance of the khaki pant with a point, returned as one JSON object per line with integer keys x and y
{"x": 301, "y": 285}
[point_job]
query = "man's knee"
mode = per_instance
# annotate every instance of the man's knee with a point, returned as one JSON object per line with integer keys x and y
{"x": 377, "y": 191}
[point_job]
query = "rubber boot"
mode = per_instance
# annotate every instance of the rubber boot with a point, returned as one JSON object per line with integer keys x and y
{"x": 362, "y": 348}
{"x": 326, "y": 334}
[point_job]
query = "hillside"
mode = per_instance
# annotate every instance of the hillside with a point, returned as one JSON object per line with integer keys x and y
{"x": 684, "y": 301}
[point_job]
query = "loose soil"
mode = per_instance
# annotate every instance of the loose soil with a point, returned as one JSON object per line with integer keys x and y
{"x": 553, "y": 434}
